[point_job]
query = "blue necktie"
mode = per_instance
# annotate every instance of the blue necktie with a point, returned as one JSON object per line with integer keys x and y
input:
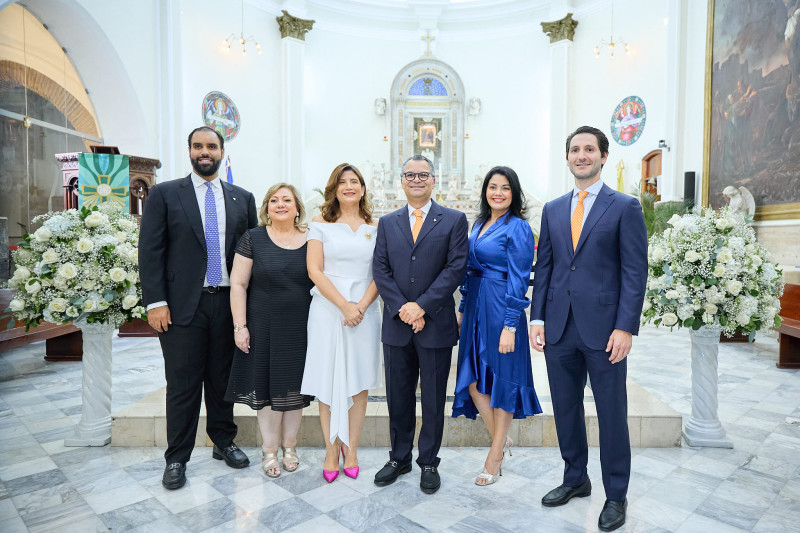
{"x": 213, "y": 265}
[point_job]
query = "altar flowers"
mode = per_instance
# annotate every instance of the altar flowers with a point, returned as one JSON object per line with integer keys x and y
{"x": 79, "y": 265}
{"x": 708, "y": 270}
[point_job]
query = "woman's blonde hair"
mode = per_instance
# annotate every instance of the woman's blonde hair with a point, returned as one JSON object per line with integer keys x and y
{"x": 331, "y": 208}
{"x": 263, "y": 212}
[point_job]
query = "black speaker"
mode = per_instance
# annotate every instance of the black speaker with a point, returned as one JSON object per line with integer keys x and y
{"x": 688, "y": 189}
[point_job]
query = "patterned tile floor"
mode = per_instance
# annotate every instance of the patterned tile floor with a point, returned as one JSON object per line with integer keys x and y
{"x": 47, "y": 487}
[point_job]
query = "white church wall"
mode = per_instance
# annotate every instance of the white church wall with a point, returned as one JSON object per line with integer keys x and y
{"x": 598, "y": 85}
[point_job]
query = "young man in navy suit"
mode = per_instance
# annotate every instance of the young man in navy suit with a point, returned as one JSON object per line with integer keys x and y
{"x": 189, "y": 232}
{"x": 420, "y": 259}
{"x": 588, "y": 290}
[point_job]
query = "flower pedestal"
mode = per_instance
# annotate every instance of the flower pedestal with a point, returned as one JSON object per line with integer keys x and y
{"x": 94, "y": 428}
{"x": 703, "y": 429}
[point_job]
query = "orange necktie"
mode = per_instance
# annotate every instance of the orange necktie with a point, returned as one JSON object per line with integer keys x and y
{"x": 417, "y": 224}
{"x": 577, "y": 220}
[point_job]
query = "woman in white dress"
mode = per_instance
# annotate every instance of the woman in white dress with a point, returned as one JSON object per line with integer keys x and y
{"x": 344, "y": 321}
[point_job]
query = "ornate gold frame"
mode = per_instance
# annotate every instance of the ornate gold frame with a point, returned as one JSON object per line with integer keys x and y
{"x": 766, "y": 212}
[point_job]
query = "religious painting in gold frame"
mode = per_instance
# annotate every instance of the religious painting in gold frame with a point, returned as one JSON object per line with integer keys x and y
{"x": 752, "y": 104}
{"x": 427, "y": 135}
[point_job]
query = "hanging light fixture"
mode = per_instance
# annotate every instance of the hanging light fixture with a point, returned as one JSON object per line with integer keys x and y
{"x": 226, "y": 44}
{"x": 611, "y": 43}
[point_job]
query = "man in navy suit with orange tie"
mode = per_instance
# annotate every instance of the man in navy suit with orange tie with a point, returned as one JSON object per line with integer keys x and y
{"x": 588, "y": 290}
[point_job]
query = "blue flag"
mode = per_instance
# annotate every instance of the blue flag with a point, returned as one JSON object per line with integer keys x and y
{"x": 230, "y": 171}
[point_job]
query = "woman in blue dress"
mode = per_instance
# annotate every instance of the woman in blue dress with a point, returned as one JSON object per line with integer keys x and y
{"x": 494, "y": 376}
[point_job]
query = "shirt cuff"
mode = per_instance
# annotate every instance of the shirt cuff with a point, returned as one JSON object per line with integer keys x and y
{"x": 156, "y": 304}
{"x": 537, "y": 323}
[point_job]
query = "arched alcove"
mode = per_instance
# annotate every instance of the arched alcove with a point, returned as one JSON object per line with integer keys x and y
{"x": 427, "y": 116}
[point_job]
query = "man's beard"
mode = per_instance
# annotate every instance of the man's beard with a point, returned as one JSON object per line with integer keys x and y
{"x": 206, "y": 170}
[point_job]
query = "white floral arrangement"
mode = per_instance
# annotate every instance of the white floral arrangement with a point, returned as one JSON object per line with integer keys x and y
{"x": 78, "y": 266}
{"x": 708, "y": 270}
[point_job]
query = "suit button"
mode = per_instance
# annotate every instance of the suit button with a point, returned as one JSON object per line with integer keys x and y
{"x": 567, "y": 293}
{"x": 412, "y": 280}
{"x": 413, "y": 257}
{"x": 572, "y": 267}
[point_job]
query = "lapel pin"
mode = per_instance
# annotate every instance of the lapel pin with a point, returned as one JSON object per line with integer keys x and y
{"x": 434, "y": 220}
{"x": 368, "y": 235}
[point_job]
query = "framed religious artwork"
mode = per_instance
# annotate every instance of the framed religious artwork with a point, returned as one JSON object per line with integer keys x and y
{"x": 628, "y": 120}
{"x": 427, "y": 135}
{"x": 752, "y": 104}
{"x": 221, "y": 114}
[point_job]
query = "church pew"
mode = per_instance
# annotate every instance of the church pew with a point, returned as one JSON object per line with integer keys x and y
{"x": 789, "y": 332}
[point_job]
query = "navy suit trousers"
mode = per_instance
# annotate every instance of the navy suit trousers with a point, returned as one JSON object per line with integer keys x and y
{"x": 568, "y": 361}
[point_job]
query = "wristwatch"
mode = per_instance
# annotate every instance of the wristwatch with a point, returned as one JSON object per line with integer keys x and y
{"x": 237, "y": 327}
{"x": 510, "y": 328}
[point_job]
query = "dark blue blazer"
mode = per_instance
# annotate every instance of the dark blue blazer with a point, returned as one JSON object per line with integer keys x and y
{"x": 603, "y": 281}
{"x": 427, "y": 272}
{"x": 172, "y": 243}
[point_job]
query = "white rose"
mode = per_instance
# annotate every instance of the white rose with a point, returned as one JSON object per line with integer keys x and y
{"x": 60, "y": 283}
{"x": 711, "y": 309}
{"x": 89, "y": 305}
{"x": 47, "y": 282}
{"x": 646, "y": 306}
{"x": 33, "y": 288}
{"x": 692, "y": 256}
{"x": 657, "y": 254}
{"x": 22, "y": 273}
{"x": 672, "y": 294}
{"x": 58, "y": 305}
{"x": 42, "y": 234}
{"x": 50, "y": 256}
{"x": 724, "y": 256}
{"x": 95, "y": 219}
{"x": 87, "y": 284}
{"x": 16, "y": 304}
{"x": 133, "y": 255}
{"x": 129, "y": 301}
{"x": 121, "y": 236}
{"x": 133, "y": 277}
{"x": 719, "y": 270}
{"x": 708, "y": 318}
{"x": 24, "y": 255}
{"x": 756, "y": 260}
{"x": 67, "y": 270}
{"x": 103, "y": 305}
{"x": 84, "y": 245}
{"x": 72, "y": 312}
{"x": 733, "y": 286}
{"x": 670, "y": 319}
{"x": 674, "y": 221}
{"x": 750, "y": 248}
{"x": 117, "y": 275}
{"x": 723, "y": 223}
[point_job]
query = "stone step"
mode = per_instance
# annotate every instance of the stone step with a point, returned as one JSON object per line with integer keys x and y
{"x": 651, "y": 422}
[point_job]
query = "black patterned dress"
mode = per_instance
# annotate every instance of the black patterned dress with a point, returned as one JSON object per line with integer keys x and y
{"x": 278, "y": 298}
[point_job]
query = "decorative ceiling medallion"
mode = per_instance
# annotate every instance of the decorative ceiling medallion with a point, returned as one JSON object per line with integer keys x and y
{"x": 627, "y": 121}
{"x": 220, "y": 113}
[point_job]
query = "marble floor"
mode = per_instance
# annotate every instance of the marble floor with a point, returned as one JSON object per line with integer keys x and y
{"x": 47, "y": 487}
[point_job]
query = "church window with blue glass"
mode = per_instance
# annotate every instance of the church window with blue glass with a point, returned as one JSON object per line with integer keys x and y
{"x": 427, "y": 87}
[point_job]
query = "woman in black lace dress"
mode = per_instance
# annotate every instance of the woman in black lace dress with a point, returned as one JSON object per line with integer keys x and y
{"x": 270, "y": 297}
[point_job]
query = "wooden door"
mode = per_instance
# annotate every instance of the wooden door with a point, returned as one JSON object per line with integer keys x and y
{"x": 651, "y": 167}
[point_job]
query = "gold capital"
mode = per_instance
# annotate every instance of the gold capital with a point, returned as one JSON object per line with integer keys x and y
{"x": 293, "y": 27}
{"x": 560, "y": 29}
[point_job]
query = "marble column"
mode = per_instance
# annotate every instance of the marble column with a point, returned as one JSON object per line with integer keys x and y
{"x": 4, "y": 255}
{"x": 561, "y": 33}
{"x": 293, "y": 42}
{"x": 172, "y": 143}
{"x": 671, "y": 184}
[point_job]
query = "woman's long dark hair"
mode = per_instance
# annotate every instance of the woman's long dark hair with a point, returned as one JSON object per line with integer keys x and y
{"x": 518, "y": 204}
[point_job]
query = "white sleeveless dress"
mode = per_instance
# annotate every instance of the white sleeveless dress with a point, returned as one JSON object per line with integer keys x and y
{"x": 342, "y": 361}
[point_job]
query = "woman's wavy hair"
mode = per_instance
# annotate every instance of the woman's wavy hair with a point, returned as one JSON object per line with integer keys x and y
{"x": 331, "y": 209}
{"x": 263, "y": 212}
{"x": 518, "y": 204}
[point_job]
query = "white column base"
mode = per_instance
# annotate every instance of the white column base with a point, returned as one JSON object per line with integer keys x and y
{"x": 94, "y": 428}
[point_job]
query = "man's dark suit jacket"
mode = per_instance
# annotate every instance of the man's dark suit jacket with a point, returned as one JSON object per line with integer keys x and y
{"x": 603, "y": 280}
{"x": 172, "y": 243}
{"x": 426, "y": 272}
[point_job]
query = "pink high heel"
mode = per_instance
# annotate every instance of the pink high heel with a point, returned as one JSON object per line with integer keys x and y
{"x": 330, "y": 475}
{"x": 351, "y": 472}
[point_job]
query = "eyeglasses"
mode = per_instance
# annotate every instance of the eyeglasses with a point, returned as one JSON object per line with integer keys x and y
{"x": 421, "y": 176}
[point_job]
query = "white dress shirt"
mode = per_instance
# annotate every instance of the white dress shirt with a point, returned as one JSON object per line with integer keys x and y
{"x": 588, "y": 202}
{"x": 412, "y": 219}
{"x": 200, "y": 188}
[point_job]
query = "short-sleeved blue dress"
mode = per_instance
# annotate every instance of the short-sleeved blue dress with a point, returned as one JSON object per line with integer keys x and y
{"x": 494, "y": 288}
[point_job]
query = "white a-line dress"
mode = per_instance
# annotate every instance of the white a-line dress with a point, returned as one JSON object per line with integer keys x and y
{"x": 342, "y": 361}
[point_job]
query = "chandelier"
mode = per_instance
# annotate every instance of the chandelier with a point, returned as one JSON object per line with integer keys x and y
{"x": 226, "y": 44}
{"x": 611, "y": 43}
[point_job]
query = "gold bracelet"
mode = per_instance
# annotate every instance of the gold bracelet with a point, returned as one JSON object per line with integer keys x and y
{"x": 237, "y": 327}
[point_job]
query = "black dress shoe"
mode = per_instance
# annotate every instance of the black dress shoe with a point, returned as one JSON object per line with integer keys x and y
{"x": 174, "y": 476}
{"x": 390, "y": 472}
{"x": 562, "y": 494}
{"x": 429, "y": 481}
{"x": 234, "y": 457}
{"x": 613, "y": 515}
